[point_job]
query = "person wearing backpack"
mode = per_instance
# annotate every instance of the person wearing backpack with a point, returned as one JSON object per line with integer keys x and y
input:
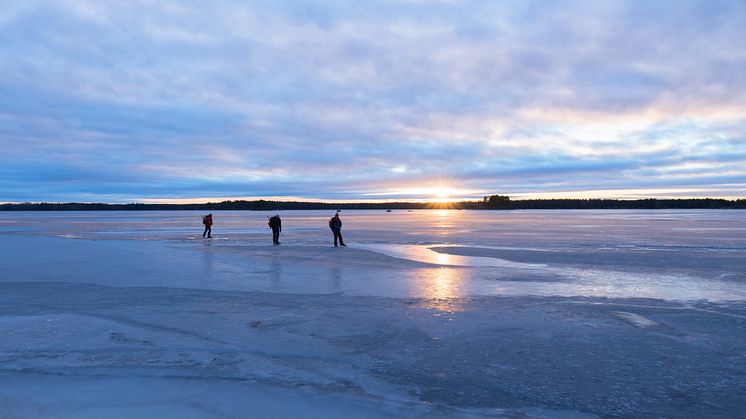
{"x": 207, "y": 221}
{"x": 275, "y": 223}
{"x": 336, "y": 225}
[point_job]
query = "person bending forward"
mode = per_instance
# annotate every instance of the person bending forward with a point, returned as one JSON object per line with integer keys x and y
{"x": 207, "y": 221}
{"x": 275, "y": 223}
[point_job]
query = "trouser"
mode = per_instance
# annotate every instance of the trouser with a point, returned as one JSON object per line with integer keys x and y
{"x": 208, "y": 231}
{"x": 338, "y": 233}
{"x": 275, "y": 235}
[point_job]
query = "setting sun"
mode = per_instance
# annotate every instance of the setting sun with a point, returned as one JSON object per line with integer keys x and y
{"x": 438, "y": 191}
{"x": 442, "y": 194}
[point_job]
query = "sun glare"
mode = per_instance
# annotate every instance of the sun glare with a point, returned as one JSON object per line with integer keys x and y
{"x": 442, "y": 195}
{"x": 441, "y": 192}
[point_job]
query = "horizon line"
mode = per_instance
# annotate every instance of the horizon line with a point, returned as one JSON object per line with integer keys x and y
{"x": 206, "y": 201}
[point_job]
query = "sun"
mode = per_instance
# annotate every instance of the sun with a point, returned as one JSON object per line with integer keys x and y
{"x": 442, "y": 194}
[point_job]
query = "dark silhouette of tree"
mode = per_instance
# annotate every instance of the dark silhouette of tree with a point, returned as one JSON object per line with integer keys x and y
{"x": 498, "y": 202}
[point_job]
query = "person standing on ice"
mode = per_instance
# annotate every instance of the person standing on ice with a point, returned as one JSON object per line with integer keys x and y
{"x": 336, "y": 225}
{"x": 275, "y": 223}
{"x": 207, "y": 221}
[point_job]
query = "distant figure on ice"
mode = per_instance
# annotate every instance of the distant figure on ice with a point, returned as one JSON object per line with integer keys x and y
{"x": 336, "y": 225}
{"x": 207, "y": 221}
{"x": 275, "y": 223}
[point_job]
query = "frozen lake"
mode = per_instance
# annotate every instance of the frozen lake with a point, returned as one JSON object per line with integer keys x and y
{"x": 425, "y": 314}
{"x": 673, "y": 255}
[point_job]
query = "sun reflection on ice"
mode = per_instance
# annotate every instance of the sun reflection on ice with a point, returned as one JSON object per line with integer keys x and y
{"x": 441, "y": 288}
{"x": 443, "y": 259}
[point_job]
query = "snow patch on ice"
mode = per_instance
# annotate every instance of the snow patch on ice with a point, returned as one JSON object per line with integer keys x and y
{"x": 636, "y": 319}
{"x": 434, "y": 255}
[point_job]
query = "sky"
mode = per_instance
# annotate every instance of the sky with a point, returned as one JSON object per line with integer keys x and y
{"x": 161, "y": 101}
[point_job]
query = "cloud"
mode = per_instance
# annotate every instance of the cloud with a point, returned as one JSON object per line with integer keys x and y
{"x": 341, "y": 100}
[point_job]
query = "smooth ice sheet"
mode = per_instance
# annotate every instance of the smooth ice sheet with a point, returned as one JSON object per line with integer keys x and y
{"x": 424, "y": 314}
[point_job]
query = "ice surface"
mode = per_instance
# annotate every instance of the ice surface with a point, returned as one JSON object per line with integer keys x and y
{"x": 425, "y": 314}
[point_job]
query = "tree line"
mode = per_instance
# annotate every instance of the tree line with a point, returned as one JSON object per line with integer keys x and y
{"x": 493, "y": 202}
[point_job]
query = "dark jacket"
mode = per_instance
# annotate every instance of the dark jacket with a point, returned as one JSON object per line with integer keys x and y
{"x": 335, "y": 224}
{"x": 275, "y": 222}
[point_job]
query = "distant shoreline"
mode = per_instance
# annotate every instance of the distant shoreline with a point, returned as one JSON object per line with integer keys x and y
{"x": 495, "y": 202}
